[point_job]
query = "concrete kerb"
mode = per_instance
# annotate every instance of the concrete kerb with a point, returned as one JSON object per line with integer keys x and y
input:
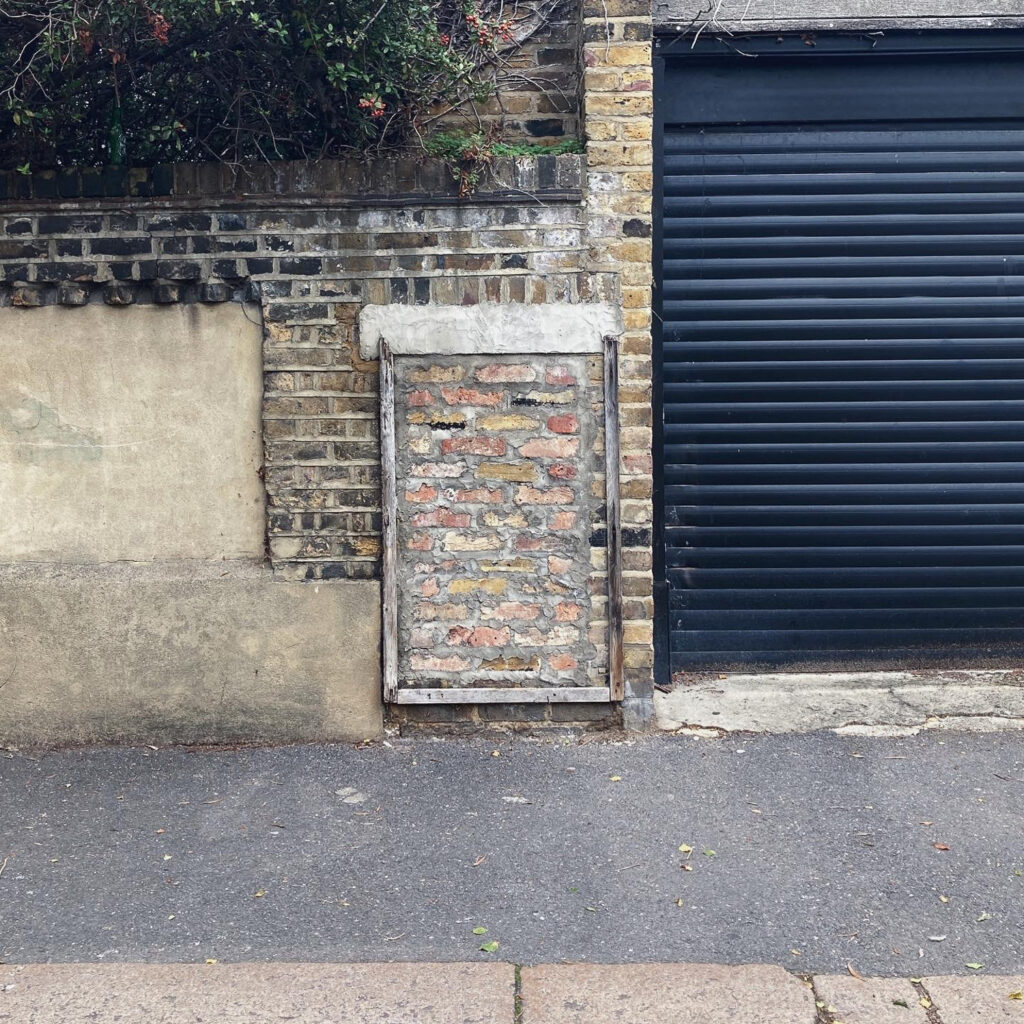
{"x": 851, "y": 703}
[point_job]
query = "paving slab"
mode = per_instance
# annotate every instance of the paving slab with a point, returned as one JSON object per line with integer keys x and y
{"x": 871, "y": 1001}
{"x": 257, "y": 993}
{"x": 656, "y": 993}
{"x": 980, "y": 999}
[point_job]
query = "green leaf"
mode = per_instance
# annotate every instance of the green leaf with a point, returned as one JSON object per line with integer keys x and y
{"x": 710, "y": 853}
{"x": 974, "y": 967}
{"x": 489, "y": 947}
{"x": 901, "y": 1002}
{"x": 479, "y": 931}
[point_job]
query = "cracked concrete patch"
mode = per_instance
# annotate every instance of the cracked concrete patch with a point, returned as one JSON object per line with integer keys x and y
{"x": 850, "y": 703}
{"x": 653, "y": 993}
{"x": 869, "y": 1000}
{"x": 977, "y": 1000}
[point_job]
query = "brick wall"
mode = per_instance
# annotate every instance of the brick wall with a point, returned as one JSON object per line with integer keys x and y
{"x": 618, "y": 104}
{"x": 500, "y": 520}
{"x": 538, "y": 96}
{"x": 312, "y": 243}
{"x": 310, "y": 264}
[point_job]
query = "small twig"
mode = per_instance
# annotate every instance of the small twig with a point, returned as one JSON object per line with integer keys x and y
{"x": 2, "y": 866}
{"x": 10, "y": 675}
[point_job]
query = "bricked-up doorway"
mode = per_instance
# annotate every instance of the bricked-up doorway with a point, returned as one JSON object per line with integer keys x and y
{"x": 841, "y": 257}
{"x": 501, "y": 549}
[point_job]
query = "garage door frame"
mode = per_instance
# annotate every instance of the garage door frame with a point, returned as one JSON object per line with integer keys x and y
{"x": 672, "y": 48}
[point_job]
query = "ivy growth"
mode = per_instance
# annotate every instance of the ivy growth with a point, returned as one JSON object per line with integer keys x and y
{"x": 85, "y": 82}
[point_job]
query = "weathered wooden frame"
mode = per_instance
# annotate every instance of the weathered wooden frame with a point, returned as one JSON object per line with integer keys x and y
{"x": 389, "y": 605}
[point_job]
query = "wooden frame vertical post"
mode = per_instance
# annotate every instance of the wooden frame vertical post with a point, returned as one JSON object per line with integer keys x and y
{"x": 611, "y": 455}
{"x": 389, "y": 525}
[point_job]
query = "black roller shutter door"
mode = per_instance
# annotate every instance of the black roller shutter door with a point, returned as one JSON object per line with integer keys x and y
{"x": 843, "y": 372}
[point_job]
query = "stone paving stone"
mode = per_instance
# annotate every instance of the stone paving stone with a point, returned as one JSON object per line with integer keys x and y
{"x": 658, "y": 993}
{"x": 257, "y": 993}
{"x": 980, "y": 999}
{"x": 870, "y": 1001}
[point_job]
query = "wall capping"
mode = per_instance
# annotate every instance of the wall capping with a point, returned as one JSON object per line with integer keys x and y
{"x": 494, "y": 328}
{"x": 394, "y": 181}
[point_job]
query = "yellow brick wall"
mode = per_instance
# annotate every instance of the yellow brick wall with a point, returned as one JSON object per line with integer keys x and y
{"x": 618, "y": 107}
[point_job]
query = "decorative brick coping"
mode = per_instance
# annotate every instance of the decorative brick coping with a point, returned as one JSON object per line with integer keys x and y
{"x": 389, "y": 180}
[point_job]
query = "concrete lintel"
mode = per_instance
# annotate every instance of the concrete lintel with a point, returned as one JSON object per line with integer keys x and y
{"x": 497, "y": 328}
{"x": 871, "y": 703}
{"x": 668, "y": 23}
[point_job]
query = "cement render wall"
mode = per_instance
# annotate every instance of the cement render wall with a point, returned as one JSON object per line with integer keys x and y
{"x": 130, "y": 488}
{"x": 130, "y": 437}
{"x": 184, "y": 653}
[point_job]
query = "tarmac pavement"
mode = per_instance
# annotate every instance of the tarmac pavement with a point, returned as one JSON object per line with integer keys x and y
{"x": 898, "y": 858}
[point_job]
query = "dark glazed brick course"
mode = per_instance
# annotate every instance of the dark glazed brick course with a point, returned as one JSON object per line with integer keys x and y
{"x": 21, "y": 250}
{"x": 70, "y": 225}
{"x": 180, "y": 222}
{"x": 120, "y": 246}
{"x": 301, "y": 265}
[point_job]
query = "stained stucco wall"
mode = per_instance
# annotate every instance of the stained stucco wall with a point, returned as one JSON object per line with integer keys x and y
{"x": 130, "y": 435}
{"x": 134, "y": 600}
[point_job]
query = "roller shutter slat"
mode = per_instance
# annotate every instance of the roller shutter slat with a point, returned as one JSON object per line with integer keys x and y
{"x": 843, "y": 377}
